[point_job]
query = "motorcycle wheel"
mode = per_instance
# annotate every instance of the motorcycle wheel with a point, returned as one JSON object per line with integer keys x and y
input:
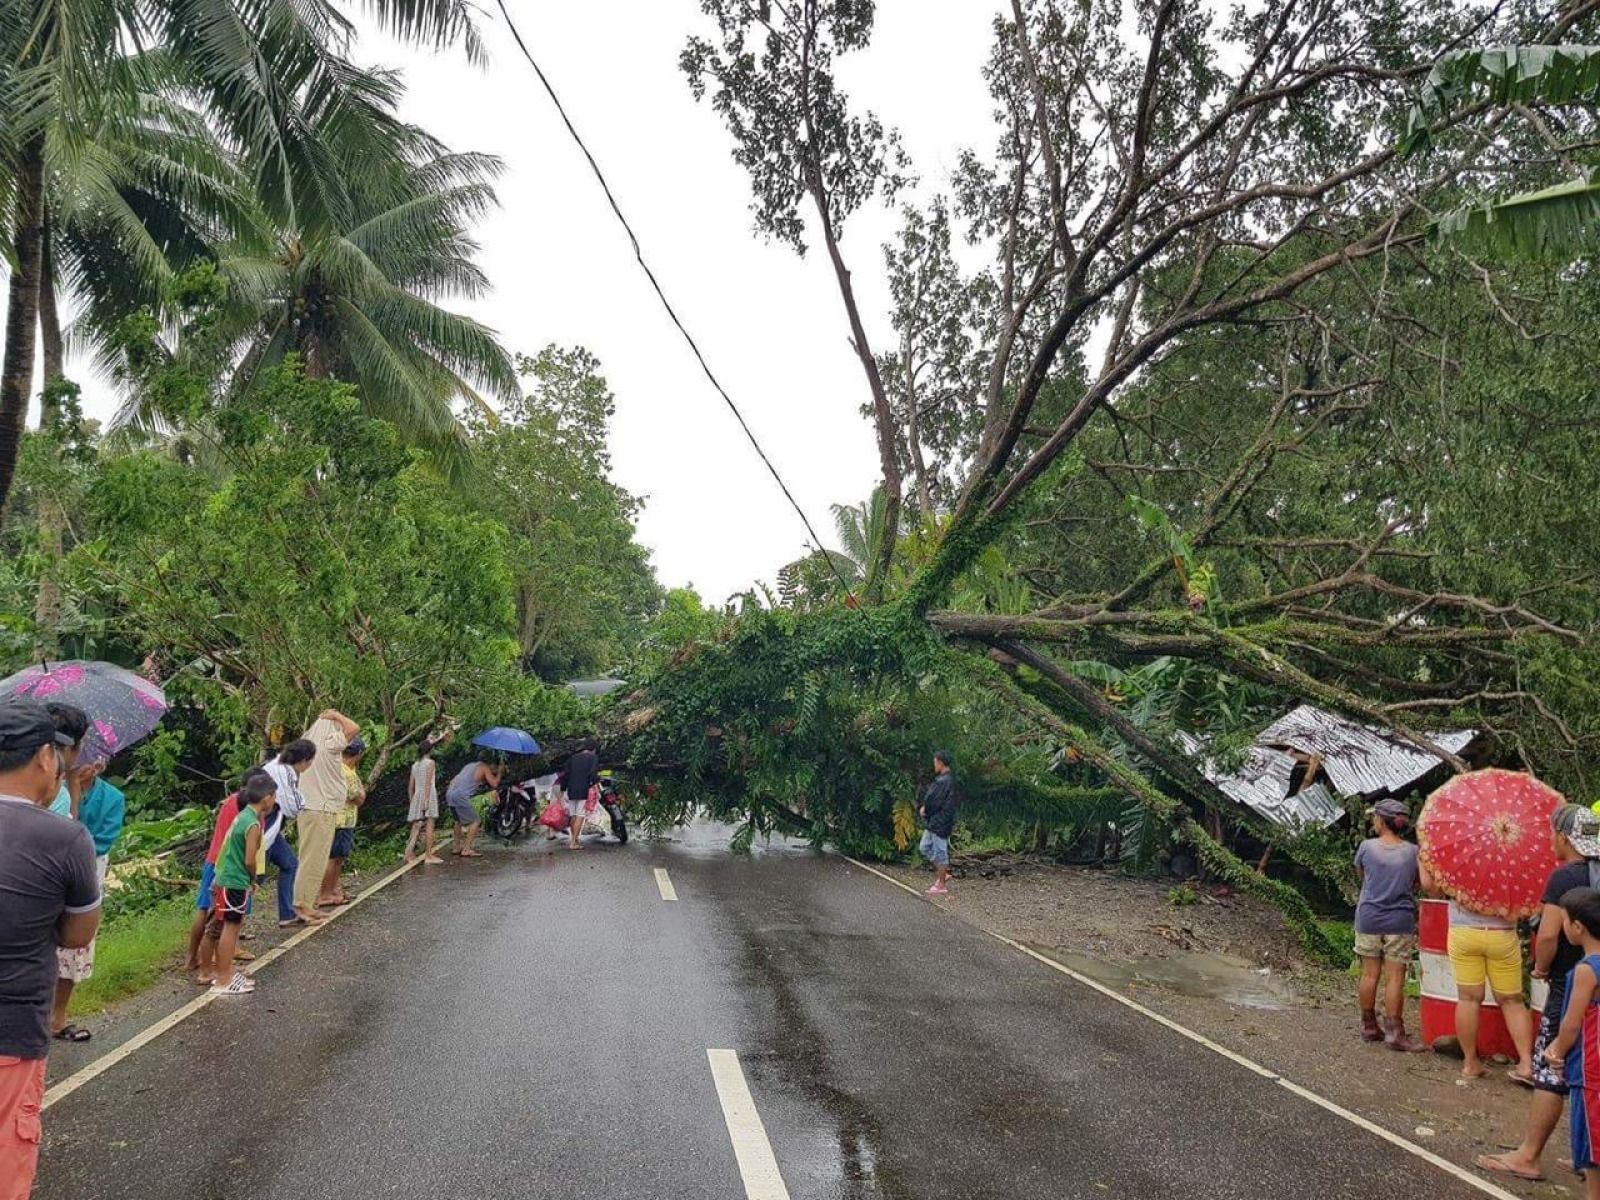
{"x": 619, "y": 823}
{"x": 505, "y": 820}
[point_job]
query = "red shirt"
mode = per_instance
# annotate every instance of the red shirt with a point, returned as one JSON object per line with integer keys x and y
{"x": 225, "y": 816}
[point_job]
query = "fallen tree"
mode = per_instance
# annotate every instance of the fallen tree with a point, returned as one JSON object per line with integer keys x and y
{"x": 1207, "y": 285}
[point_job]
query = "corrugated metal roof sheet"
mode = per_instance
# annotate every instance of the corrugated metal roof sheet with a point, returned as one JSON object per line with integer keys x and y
{"x": 1357, "y": 759}
{"x": 1262, "y": 784}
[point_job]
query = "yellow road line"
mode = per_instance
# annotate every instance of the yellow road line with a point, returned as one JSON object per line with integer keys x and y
{"x": 664, "y": 883}
{"x": 145, "y": 1036}
{"x": 1200, "y": 1039}
{"x": 757, "y": 1165}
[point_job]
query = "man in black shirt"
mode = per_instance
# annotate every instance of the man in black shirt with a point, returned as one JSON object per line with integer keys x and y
{"x": 939, "y": 816}
{"x": 582, "y": 770}
{"x": 1576, "y": 841}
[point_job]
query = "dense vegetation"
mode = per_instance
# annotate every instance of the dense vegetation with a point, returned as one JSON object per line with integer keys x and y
{"x": 1230, "y": 376}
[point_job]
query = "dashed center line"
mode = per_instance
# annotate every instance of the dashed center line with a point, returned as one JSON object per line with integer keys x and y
{"x": 664, "y": 882}
{"x": 757, "y": 1166}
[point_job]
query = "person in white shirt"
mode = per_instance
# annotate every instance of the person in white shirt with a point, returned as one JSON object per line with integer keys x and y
{"x": 292, "y": 762}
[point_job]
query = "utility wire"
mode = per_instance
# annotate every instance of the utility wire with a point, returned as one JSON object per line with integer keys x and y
{"x": 638, "y": 254}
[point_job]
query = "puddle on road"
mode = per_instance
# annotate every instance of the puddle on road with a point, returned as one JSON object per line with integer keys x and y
{"x": 714, "y": 839}
{"x": 1205, "y": 976}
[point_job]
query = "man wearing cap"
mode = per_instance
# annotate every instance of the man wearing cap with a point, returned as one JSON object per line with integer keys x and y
{"x": 1386, "y": 923}
{"x": 1575, "y": 838}
{"x": 344, "y": 837}
{"x": 323, "y": 787}
{"x": 49, "y": 897}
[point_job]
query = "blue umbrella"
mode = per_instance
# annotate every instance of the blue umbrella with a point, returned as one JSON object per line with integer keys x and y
{"x": 512, "y": 741}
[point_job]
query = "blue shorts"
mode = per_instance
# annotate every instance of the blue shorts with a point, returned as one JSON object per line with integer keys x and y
{"x": 343, "y": 841}
{"x": 208, "y": 876}
{"x": 1583, "y": 1114}
{"x": 935, "y": 848}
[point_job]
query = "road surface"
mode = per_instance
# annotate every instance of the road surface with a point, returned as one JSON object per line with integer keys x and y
{"x": 536, "y": 1024}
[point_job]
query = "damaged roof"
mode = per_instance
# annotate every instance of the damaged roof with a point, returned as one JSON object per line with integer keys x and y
{"x": 1356, "y": 759}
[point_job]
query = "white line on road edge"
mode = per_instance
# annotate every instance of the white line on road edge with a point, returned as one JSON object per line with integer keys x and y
{"x": 664, "y": 882}
{"x": 757, "y": 1166}
{"x": 145, "y": 1036}
{"x": 1427, "y": 1156}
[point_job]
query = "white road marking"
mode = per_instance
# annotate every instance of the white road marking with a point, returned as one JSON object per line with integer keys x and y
{"x": 1360, "y": 1122}
{"x": 664, "y": 883}
{"x": 757, "y": 1166}
{"x": 145, "y": 1036}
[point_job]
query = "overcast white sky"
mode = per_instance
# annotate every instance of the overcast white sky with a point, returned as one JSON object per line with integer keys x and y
{"x": 770, "y": 324}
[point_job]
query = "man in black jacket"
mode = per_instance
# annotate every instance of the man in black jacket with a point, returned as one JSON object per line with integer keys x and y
{"x": 939, "y": 816}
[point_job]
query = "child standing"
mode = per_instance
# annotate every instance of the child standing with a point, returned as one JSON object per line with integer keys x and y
{"x": 1576, "y": 1044}
{"x": 1386, "y": 923}
{"x": 236, "y": 875}
{"x": 200, "y": 947}
{"x": 423, "y": 793}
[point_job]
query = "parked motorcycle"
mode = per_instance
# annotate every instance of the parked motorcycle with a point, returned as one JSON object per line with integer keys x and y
{"x": 517, "y": 806}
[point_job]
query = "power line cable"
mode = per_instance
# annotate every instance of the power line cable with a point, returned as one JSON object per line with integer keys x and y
{"x": 638, "y": 254}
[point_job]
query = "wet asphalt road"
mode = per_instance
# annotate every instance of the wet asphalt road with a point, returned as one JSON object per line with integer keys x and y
{"x": 536, "y": 1025}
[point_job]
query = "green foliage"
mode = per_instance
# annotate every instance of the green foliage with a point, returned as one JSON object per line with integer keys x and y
{"x": 584, "y": 587}
{"x": 141, "y": 839}
{"x": 1552, "y": 221}
{"x": 324, "y": 562}
{"x": 130, "y": 954}
{"x": 1183, "y": 896}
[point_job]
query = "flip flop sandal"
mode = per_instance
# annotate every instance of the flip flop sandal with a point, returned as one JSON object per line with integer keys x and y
{"x": 1522, "y": 1081}
{"x": 1496, "y": 1164}
{"x": 72, "y": 1033}
{"x": 292, "y": 923}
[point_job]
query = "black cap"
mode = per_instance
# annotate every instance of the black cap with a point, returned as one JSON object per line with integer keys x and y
{"x": 26, "y": 725}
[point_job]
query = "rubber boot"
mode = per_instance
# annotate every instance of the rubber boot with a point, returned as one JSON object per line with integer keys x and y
{"x": 1396, "y": 1037}
{"x": 1370, "y": 1029}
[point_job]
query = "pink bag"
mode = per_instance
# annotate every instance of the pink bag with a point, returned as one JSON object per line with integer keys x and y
{"x": 593, "y": 802}
{"x": 554, "y": 816}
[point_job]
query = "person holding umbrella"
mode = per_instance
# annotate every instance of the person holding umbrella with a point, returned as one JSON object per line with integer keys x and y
{"x": 1483, "y": 841}
{"x": 101, "y": 810}
{"x": 472, "y": 780}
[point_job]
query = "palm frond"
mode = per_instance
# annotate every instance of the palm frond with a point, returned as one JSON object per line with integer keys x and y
{"x": 1560, "y": 220}
{"x": 1502, "y": 75}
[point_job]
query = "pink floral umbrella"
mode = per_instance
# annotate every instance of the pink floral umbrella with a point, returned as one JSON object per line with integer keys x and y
{"x": 123, "y": 707}
{"x": 1485, "y": 838}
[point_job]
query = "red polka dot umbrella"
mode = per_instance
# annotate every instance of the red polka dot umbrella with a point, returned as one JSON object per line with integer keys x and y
{"x": 1485, "y": 838}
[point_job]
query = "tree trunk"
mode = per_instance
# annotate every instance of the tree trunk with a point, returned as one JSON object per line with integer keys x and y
{"x": 52, "y": 519}
{"x": 919, "y": 466}
{"x": 22, "y": 309}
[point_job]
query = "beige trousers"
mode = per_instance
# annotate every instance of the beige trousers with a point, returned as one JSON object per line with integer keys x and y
{"x": 316, "y": 839}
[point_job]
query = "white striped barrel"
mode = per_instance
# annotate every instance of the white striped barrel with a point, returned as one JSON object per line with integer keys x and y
{"x": 1439, "y": 987}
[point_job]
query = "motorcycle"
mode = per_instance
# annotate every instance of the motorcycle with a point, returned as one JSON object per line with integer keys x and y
{"x": 518, "y": 805}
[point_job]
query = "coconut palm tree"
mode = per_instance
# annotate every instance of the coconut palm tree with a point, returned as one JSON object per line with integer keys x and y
{"x": 360, "y": 301}
{"x": 270, "y": 74}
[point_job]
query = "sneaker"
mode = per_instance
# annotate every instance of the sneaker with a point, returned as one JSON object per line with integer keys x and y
{"x": 938, "y": 889}
{"x": 239, "y": 985}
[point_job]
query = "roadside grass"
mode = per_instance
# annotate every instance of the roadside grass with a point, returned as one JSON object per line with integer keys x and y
{"x": 377, "y": 853}
{"x": 131, "y": 952}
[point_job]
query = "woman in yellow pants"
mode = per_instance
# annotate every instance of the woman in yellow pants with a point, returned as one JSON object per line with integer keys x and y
{"x": 1485, "y": 952}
